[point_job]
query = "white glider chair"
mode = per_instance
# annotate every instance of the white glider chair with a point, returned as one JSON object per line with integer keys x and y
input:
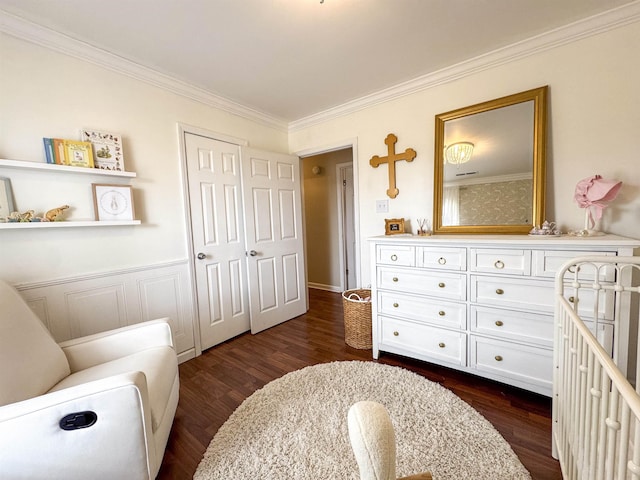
{"x": 374, "y": 443}
{"x": 97, "y": 407}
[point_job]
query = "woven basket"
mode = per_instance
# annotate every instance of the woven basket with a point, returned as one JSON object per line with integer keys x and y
{"x": 357, "y": 318}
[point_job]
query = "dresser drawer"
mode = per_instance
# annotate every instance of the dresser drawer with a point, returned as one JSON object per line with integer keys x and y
{"x": 512, "y": 325}
{"x": 537, "y": 295}
{"x": 437, "y": 343}
{"x": 442, "y": 258}
{"x": 449, "y": 314}
{"x": 494, "y": 260}
{"x": 547, "y": 263}
{"x": 450, "y": 286}
{"x": 401, "y": 255}
{"x": 531, "y": 365}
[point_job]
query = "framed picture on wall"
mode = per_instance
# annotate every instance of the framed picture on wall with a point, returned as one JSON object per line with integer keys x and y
{"x": 6, "y": 198}
{"x": 113, "y": 202}
{"x": 394, "y": 226}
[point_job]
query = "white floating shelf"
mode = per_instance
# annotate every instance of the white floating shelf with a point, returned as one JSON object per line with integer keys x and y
{"x": 61, "y": 168}
{"x": 68, "y": 224}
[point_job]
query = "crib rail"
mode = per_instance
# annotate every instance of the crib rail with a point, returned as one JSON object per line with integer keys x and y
{"x": 596, "y": 411}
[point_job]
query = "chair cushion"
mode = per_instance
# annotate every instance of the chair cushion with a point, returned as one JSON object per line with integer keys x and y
{"x": 159, "y": 364}
{"x": 32, "y": 362}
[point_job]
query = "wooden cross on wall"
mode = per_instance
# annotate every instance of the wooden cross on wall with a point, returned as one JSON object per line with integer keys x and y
{"x": 391, "y": 158}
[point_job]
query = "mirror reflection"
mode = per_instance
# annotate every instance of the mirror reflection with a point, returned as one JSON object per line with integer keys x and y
{"x": 490, "y": 166}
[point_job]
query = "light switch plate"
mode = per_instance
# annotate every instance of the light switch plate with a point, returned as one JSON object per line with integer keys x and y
{"x": 382, "y": 206}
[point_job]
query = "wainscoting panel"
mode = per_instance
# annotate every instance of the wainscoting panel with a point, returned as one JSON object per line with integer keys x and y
{"x": 79, "y": 306}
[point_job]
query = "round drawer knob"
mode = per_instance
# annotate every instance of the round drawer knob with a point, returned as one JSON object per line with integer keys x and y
{"x": 499, "y": 291}
{"x": 394, "y": 257}
{"x": 442, "y": 313}
{"x": 395, "y": 279}
{"x": 499, "y": 264}
{"x": 499, "y": 323}
{"x": 498, "y": 358}
{"x": 441, "y": 345}
{"x": 442, "y": 261}
{"x": 441, "y": 284}
{"x": 572, "y": 299}
{"x": 395, "y": 334}
{"x": 395, "y": 305}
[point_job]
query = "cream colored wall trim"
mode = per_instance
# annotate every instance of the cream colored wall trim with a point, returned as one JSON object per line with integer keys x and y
{"x": 59, "y": 42}
{"x": 328, "y": 288}
{"x": 597, "y": 24}
{"x": 87, "y": 304}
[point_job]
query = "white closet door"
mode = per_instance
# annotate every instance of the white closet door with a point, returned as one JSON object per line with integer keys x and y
{"x": 274, "y": 237}
{"x": 217, "y": 226}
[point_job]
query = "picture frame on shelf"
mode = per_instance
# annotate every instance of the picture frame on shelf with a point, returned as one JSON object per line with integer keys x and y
{"x": 78, "y": 154}
{"x": 394, "y": 226}
{"x": 6, "y": 198}
{"x": 113, "y": 202}
{"x": 107, "y": 149}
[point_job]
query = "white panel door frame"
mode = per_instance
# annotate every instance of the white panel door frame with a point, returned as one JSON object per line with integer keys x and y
{"x": 343, "y": 236}
{"x": 332, "y": 147}
{"x": 274, "y": 230}
{"x": 182, "y": 129}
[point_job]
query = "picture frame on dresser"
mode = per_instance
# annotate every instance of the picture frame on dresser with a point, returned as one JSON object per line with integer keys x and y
{"x": 394, "y": 226}
{"x": 6, "y": 198}
{"x": 113, "y": 202}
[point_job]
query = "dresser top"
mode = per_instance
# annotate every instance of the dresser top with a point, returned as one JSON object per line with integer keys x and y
{"x": 536, "y": 241}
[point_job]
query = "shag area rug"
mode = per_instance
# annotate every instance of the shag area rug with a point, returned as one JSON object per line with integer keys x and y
{"x": 296, "y": 428}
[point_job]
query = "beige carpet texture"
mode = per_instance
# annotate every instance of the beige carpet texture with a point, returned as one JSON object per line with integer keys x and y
{"x": 296, "y": 428}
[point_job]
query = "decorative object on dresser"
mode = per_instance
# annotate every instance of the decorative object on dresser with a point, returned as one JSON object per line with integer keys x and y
{"x": 483, "y": 304}
{"x": 423, "y": 227}
{"x": 502, "y": 189}
{"x": 393, "y": 226}
{"x": 392, "y": 157}
{"x": 595, "y": 193}
{"x": 304, "y": 435}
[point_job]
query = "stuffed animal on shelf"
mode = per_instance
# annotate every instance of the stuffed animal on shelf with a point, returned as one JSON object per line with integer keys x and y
{"x": 55, "y": 213}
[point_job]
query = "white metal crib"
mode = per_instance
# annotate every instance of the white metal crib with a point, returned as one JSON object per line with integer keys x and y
{"x": 596, "y": 410}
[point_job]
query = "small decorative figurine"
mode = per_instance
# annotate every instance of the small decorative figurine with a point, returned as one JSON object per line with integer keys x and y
{"x": 21, "y": 217}
{"x": 547, "y": 228}
{"x": 55, "y": 214}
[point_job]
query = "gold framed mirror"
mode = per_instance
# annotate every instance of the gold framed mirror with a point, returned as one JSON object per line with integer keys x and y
{"x": 489, "y": 170}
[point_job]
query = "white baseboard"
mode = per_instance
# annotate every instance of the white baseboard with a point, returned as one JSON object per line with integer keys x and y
{"x": 328, "y": 288}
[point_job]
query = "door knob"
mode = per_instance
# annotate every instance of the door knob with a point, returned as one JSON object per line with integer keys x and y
{"x": 253, "y": 253}
{"x": 201, "y": 256}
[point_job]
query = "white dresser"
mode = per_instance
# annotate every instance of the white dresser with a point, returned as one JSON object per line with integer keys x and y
{"x": 483, "y": 303}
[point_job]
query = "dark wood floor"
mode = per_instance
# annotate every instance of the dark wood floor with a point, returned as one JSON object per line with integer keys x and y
{"x": 214, "y": 384}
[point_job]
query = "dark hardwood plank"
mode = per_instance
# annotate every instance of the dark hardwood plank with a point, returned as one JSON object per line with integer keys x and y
{"x": 214, "y": 384}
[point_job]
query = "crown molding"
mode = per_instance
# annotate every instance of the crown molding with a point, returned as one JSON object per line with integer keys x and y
{"x": 572, "y": 32}
{"x": 45, "y": 37}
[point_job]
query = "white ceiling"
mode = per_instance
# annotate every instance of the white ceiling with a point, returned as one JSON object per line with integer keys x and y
{"x": 293, "y": 58}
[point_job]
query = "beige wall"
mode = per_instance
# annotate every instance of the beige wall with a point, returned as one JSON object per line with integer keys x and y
{"x": 593, "y": 114}
{"x": 48, "y": 94}
{"x": 321, "y": 217}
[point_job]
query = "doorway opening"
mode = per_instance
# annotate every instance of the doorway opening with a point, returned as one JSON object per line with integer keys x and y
{"x": 330, "y": 211}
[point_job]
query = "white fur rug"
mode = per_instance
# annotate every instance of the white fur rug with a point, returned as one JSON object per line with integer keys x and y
{"x": 296, "y": 428}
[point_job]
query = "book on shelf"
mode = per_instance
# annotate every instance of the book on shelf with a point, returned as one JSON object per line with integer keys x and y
{"x": 78, "y": 154}
{"x": 107, "y": 149}
{"x": 59, "y": 156}
{"x": 48, "y": 150}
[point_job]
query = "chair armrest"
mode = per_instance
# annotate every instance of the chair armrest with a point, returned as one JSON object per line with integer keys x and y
{"x": 119, "y": 445}
{"x": 86, "y": 352}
